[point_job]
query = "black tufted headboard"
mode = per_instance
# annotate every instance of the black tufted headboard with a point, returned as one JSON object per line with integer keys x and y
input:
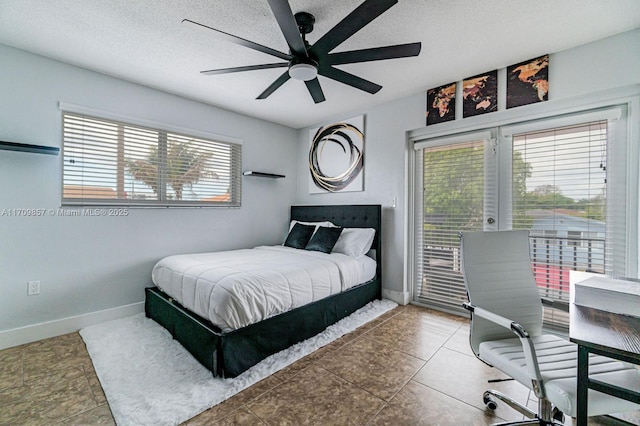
{"x": 347, "y": 216}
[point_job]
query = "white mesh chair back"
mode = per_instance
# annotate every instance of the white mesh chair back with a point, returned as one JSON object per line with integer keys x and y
{"x": 498, "y": 276}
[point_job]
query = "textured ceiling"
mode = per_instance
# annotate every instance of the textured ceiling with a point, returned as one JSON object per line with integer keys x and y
{"x": 143, "y": 41}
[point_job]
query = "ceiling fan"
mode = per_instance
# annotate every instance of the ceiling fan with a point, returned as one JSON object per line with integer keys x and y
{"x": 305, "y": 62}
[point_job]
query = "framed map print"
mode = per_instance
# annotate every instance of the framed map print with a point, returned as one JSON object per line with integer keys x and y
{"x": 441, "y": 104}
{"x": 528, "y": 82}
{"x": 480, "y": 94}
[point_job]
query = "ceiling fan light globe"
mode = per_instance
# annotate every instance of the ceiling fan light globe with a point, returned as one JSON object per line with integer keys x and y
{"x": 303, "y": 72}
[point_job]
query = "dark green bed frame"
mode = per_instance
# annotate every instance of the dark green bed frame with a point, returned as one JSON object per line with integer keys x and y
{"x": 228, "y": 354}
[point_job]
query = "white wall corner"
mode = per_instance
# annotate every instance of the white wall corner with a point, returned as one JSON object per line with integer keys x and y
{"x": 45, "y": 330}
{"x": 400, "y": 297}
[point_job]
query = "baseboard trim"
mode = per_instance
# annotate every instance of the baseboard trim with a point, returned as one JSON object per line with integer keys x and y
{"x": 45, "y": 330}
{"x": 400, "y": 297}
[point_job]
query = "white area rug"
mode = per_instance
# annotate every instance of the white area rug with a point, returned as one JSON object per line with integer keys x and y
{"x": 150, "y": 379}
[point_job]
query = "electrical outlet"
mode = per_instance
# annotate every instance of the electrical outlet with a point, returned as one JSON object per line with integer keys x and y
{"x": 33, "y": 288}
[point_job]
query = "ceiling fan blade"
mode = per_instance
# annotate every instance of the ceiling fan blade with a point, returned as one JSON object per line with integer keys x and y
{"x": 351, "y": 24}
{"x": 247, "y": 68}
{"x": 315, "y": 90}
{"x": 287, "y": 23}
{"x": 238, "y": 40}
{"x": 374, "y": 54}
{"x": 275, "y": 85}
{"x": 349, "y": 79}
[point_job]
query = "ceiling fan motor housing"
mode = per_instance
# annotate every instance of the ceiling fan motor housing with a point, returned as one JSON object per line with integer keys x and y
{"x": 305, "y": 22}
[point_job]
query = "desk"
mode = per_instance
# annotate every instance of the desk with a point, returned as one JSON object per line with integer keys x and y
{"x": 603, "y": 333}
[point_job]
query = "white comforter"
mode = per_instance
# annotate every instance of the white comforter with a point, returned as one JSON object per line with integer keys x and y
{"x": 237, "y": 288}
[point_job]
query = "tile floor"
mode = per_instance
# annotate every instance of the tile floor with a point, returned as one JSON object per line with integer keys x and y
{"x": 412, "y": 366}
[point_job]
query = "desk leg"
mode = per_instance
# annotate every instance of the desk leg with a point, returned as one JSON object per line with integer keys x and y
{"x": 583, "y": 385}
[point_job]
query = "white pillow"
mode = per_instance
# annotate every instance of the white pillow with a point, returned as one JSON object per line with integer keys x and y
{"x": 354, "y": 242}
{"x": 316, "y": 224}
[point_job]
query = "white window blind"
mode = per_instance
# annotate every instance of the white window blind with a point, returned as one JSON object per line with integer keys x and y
{"x": 559, "y": 193}
{"x": 452, "y": 179}
{"x": 108, "y": 162}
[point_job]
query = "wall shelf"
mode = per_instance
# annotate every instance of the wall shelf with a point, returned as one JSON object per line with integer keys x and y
{"x": 25, "y": 147}
{"x": 262, "y": 174}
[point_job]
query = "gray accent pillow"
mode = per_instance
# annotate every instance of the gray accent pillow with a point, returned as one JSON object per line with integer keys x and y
{"x": 299, "y": 236}
{"x": 324, "y": 239}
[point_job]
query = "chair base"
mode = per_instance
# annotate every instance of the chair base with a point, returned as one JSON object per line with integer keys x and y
{"x": 527, "y": 422}
{"x": 547, "y": 413}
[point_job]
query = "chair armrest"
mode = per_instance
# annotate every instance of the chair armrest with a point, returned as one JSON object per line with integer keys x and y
{"x": 527, "y": 345}
{"x": 495, "y": 318}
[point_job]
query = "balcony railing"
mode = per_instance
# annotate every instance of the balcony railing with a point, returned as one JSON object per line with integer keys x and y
{"x": 553, "y": 258}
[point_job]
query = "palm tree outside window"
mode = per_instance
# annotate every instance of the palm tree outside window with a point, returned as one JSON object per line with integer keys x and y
{"x": 107, "y": 162}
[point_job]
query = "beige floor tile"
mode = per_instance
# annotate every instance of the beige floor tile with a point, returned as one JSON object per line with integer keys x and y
{"x": 49, "y": 399}
{"x": 345, "y": 340}
{"x": 316, "y": 397}
{"x": 459, "y": 342}
{"x": 95, "y": 386}
{"x": 100, "y": 415}
{"x": 11, "y": 367}
{"x": 304, "y": 363}
{"x": 382, "y": 318}
{"x": 412, "y": 335}
{"x": 465, "y": 378}
{"x": 378, "y": 369}
{"x": 14, "y": 402}
{"x": 417, "y": 404}
{"x": 59, "y": 353}
{"x": 236, "y": 402}
{"x": 241, "y": 417}
{"x": 441, "y": 320}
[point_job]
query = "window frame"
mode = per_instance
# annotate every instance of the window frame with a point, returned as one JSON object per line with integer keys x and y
{"x": 164, "y": 132}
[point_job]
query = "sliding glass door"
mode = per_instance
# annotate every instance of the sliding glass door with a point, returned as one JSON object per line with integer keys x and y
{"x": 453, "y": 180}
{"x": 550, "y": 177}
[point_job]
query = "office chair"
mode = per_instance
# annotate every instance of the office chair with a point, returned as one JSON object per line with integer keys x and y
{"x": 506, "y": 333}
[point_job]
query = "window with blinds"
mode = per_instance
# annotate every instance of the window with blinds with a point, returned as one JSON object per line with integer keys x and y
{"x": 550, "y": 176}
{"x": 452, "y": 178}
{"x": 559, "y": 193}
{"x": 113, "y": 163}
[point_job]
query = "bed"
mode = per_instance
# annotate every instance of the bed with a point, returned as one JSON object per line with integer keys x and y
{"x": 228, "y": 350}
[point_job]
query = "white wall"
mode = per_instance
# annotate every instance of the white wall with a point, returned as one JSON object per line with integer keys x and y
{"x": 595, "y": 67}
{"x": 384, "y": 177}
{"x": 88, "y": 264}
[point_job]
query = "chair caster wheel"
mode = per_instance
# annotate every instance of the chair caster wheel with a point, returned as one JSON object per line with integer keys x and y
{"x": 557, "y": 415}
{"x": 489, "y": 402}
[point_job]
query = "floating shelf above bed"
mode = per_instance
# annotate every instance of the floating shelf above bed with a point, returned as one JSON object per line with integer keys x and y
{"x": 25, "y": 147}
{"x": 262, "y": 174}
